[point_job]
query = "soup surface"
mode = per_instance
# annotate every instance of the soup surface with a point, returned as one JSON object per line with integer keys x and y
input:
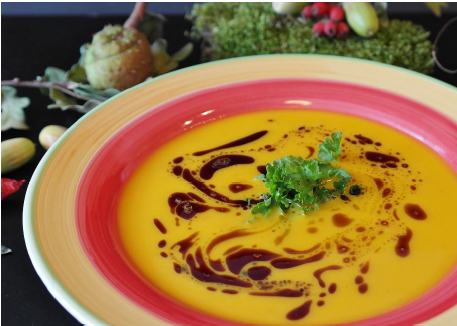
{"x": 184, "y": 222}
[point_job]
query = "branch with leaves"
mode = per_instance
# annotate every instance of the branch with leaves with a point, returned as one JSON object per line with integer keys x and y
{"x": 76, "y": 90}
{"x": 64, "y": 87}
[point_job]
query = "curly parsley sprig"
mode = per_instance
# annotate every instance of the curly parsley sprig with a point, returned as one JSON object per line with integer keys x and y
{"x": 293, "y": 181}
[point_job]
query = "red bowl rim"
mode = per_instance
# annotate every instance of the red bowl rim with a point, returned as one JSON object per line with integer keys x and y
{"x": 95, "y": 195}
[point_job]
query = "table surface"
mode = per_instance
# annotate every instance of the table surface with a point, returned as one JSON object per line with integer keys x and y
{"x": 29, "y": 45}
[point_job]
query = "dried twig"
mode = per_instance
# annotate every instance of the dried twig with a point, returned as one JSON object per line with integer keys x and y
{"x": 64, "y": 87}
{"x": 435, "y": 58}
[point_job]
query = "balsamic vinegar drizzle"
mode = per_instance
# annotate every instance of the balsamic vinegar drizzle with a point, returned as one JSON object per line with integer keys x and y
{"x": 301, "y": 252}
{"x": 216, "y": 264}
{"x": 238, "y": 187}
{"x": 365, "y": 268}
{"x": 363, "y": 140}
{"x": 241, "y": 268}
{"x": 311, "y": 152}
{"x": 415, "y": 211}
{"x": 186, "y": 205}
{"x": 300, "y": 312}
{"x": 200, "y": 185}
{"x": 402, "y": 247}
{"x": 241, "y": 258}
{"x": 222, "y": 162}
{"x": 281, "y": 293}
{"x": 258, "y": 273}
{"x": 239, "y": 142}
{"x": 379, "y": 183}
{"x": 284, "y": 263}
{"x": 160, "y": 226}
{"x": 205, "y": 274}
{"x": 380, "y": 158}
{"x": 262, "y": 169}
{"x": 341, "y": 220}
{"x": 318, "y": 273}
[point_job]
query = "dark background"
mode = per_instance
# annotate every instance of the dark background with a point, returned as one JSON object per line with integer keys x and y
{"x": 29, "y": 45}
{"x": 166, "y": 8}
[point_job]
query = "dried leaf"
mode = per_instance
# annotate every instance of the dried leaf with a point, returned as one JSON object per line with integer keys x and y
{"x": 51, "y": 74}
{"x": 169, "y": 66}
{"x": 159, "y": 46}
{"x": 163, "y": 62}
{"x": 60, "y": 98}
{"x": 100, "y": 95}
{"x": 86, "y": 107}
{"x": 380, "y": 7}
{"x": 54, "y": 74}
{"x": 77, "y": 73}
{"x": 436, "y": 7}
{"x": 82, "y": 51}
{"x": 381, "y": 11}
{"x": 5, "y": 250}
{"x": 183, "y": 53}
{"x": 152, "y": 26}
{"x": 13, "y": 115}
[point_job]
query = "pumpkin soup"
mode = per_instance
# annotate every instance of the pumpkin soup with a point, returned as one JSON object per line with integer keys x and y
{"x": 185, "y": 220}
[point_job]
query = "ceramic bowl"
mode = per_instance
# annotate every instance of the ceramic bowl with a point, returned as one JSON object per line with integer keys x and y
{"x": 70, "y": 212}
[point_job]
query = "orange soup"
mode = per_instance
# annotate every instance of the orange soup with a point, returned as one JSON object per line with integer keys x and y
{"x": 185, "y": 220}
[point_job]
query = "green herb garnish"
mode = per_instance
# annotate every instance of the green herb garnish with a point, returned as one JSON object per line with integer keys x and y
{"x": 295, "y": 182}
{"x": 355, "y": 190}
{"x": 330, "y": 148}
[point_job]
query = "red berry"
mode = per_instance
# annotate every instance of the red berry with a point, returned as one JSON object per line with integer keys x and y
{"x": 329, "y": 9}
{"x": 337, "y": 14}
{"x": 330, "y": 28}
{"x": 308, "y": 11}
{"x": 342, "y": 30}
{"x": 318, "y": 29}
{"x": 319, "y": 9}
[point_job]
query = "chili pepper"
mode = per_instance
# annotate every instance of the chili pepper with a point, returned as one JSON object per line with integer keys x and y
{"x": 10, "y": 186}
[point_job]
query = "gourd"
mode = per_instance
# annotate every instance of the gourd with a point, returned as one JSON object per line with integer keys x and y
{"x": 16, "y": 152}
{"x": 362, "y": 18}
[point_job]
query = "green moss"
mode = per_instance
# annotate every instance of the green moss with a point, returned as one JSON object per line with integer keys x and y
{"x": 241, "y": 29}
